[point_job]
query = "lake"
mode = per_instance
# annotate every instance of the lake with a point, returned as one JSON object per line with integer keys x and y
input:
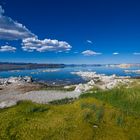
{"x": 64, "y": 76}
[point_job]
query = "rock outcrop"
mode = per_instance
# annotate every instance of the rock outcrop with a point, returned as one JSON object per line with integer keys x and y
{"x": 99, "y": 80}
{"x": 15, "y": 80}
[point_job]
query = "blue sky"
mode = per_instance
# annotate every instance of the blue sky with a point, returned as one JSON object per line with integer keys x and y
{"x": 70, "y": 31}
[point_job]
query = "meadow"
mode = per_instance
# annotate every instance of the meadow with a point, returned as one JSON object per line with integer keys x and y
{"x": 96, "y": 115}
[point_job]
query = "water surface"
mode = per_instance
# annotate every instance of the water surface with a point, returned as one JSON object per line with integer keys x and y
{"x": 64, "y": 76}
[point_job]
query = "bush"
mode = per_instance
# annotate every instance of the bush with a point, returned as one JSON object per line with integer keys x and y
{"x": 62, "y": 101}
{"x": 34, "y": 109}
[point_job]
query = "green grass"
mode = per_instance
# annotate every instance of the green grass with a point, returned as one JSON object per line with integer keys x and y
{"x": 126, "y": 99}
{"x": 120, "y": 120}
{"x": 101, "y": 115}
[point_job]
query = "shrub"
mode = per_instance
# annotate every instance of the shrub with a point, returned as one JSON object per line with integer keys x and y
{"x": 62, "y": 101}
{"x": 35, "y": 109}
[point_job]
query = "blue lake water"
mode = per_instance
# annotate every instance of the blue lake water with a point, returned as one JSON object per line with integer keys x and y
{"x": 64, "y": 76}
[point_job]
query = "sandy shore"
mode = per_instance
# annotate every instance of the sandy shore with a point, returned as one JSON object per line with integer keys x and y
{"x": 47, "y": 96}
{"x": 11, "y": 94}
{"x": 15, "y": 89}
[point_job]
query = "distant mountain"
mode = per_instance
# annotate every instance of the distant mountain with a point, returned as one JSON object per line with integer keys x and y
{"x": 20, "y": 66}
{"x": 84, "y": 65}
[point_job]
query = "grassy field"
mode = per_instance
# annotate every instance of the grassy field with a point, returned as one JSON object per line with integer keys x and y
{"x": 96, "y": 115}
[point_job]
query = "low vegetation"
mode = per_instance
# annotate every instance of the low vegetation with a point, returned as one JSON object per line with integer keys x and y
{"x": 58, "y": 88}
{"x": 96, "y": 115}
{"x": 62, "y": 101}
{"x": 125, "y": 98}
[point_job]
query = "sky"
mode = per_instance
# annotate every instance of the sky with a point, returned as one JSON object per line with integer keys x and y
{"x": 70, "y": 31}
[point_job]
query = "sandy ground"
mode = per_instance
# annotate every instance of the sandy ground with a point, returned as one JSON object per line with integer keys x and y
{"x": 47, "y": 96}
{"x": 11, "y": 94}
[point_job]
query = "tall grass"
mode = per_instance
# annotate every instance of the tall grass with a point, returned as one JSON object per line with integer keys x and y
{"x": 126, "y": 99}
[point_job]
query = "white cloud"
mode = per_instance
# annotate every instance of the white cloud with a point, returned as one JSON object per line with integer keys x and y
{"x": 1, "y": 10}
{"x": 115, "y": 53}
{"x": 90, "y": 53}
{"x": 34, "y": 44}
{"x": 12, "y": 30}
{"x": 136, "y": 53}
{"x": 7, "y": 48}
{"x": 89, "y": 41}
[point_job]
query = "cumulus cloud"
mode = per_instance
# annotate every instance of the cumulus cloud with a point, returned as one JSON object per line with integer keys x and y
{"x": 89, "y": 41}
{"x": 90, "y": 53}
{"x": 115, "y": 53}
{"x": 7, "y": 48}
{"x": 136, "y": 53}
{"x": 12, "y": 30}
{"x": 34, "y": 44}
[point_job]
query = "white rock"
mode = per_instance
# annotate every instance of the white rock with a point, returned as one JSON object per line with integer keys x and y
{"x": 8, "y": 103}
{"x": 91, "y": 82}
{"x": 108, "y": 82}
{"x": 15, "y": 80}
{"x": 95, "y": 126}
{"x": 79, "y": 88}
{"x": 28, "y": 79}
{"x": 132, "y": 71}
{"x": 84, "y": 87}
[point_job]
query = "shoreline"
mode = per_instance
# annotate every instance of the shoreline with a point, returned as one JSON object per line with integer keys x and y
{"x": 15, "y": 89}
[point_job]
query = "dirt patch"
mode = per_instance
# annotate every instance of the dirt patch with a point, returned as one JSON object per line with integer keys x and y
{"x": 29, "y": 87}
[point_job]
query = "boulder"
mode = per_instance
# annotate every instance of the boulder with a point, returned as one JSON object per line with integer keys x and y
{"x": 28, "y": 79}
{"x": 91, "y": 83}
{"x": 79, "y": 88}
{"x": 84, "y": 87}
